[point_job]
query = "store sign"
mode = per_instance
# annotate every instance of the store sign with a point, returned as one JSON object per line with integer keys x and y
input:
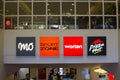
{"x": 49, "y": 46}
{"x": 25, "y": 46}
{"x": 73, "y": 46}
{"x": 96, "y": 46}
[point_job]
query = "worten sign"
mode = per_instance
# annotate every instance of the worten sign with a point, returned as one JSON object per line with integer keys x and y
{"x": 97, "y": 46}
{"x": 25, "y": 46}
{"x": 49, "y": 46}
{"x": 73, "y": 46}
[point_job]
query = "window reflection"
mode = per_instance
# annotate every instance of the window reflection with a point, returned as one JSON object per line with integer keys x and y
{"x": 25, "y": 8}
{"x": 96, "y": 8}
{"x": 1, "y": 22}
{"x": 110, "y": 8}
{"x": 25, "y": 22}
{"x": 10, "y": 22}
{"x": 96, "y": 22}
{"x": 68, "y": 22}
{"x": 110, "y": 23}
{"x": 39, "y": 8}
{"x": 67, "y": 8}
{"x": 11, "y": 8}
{"x": 54, "y": 22}
{"x": 53, "y": 8}
{"x": 82, "y": 8}
{"x": 82, "y": 22}
{"x": 119, "y": 8}
{"x": 39, "y": 22}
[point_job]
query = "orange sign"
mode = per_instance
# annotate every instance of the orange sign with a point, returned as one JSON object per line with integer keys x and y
{"x": 49, "y": 46}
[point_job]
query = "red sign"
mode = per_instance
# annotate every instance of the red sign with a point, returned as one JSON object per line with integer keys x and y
{"x": 73, "y": 46}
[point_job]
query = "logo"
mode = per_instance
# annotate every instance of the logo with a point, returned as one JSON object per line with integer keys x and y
{"x": 49, "y": 46}
{"x": 97, "y": 46}
{"x": 73, "y": 46}
{"x": 25, "y": 46}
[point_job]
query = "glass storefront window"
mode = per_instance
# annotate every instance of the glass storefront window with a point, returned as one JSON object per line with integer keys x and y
{"x": 80, "y": 10}
{"x": 119, "y": 8}
{"x": 1, "y": 14}
{"x": 39, "y": 22}
{"x": 82, "y": 22}
{"x": 53, "y": 22}
{"x": 11, "y": 8}
{"x": 96, "y": 22}
{"x": 96, "y": 8}
{"x": 25, "y": 22}
{"x": 68, "y": 8}
{"x": 39, "y": 8}
{"x": 1, "y": 21}
{"x": 25, "y": 8}
{"x": 68, "y": 22}
{"x": 110, "y": 23}
{"x": 10, "y": 22}
{"x": 53, "y": 8}
{"x": 110, "y": 8}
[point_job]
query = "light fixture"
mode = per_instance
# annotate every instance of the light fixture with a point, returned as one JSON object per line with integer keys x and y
{"x": 100, "y": 70}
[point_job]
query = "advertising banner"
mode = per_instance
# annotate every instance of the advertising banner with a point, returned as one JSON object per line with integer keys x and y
{"x": 97, "y": 46}
{"x": 49, "y": 46}
{"x": 25, "y": 46}
{"x": 73, "y": 46}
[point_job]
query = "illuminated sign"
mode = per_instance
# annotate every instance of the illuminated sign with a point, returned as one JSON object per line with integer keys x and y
{"x": 25, "y": 46}
{"x": 8, "y": 24}
{"x": 49, "y": 46}
{"x": 96, "y": 46}
{"x": 73, "y": 46}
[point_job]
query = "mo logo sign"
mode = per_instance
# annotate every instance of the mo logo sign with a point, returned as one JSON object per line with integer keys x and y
{"x": 25, "y": 46}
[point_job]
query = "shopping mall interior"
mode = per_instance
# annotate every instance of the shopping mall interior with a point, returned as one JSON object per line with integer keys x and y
{"x": 60, "y": 39}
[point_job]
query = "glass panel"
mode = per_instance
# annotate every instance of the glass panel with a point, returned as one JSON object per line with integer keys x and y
{"x": 68, "y": 22}
{"x": 96, "y": 22}
{"x": 82, "y": 22}
{"x": 67, "y": 8}
{"x": 96, "y": 0}
{"x": 1, "y": 21}
{"x": 119, "y": 8}
{"x": 54, "y": 22}
{"x": 53, "y": 0}
{"x": 25, "y": 0}
{"x": 110, "y": 9}
{"x": 68, "y": 0}
{"x": 11, "y": 8}
{"x": 109, "y": 0}
{"x": 80, "y": 9}
{"x": 10, "y": 22}
{"x": 25, "y": 8}
{"x": 96, "y": 8}
{"x": 25, "y": 22}
{"x": 119, "y": 22}
{"x": 39, "y": 8}
{"x": 39, "y": 22}
{"x": 53, "y": 8}
{"x": 110, "y": 23}
{"x": 10, "y": 0}
{"x": 81, "y": 0}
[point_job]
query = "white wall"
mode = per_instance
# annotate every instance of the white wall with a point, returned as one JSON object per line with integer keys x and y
{"x": 10, "y": 46}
